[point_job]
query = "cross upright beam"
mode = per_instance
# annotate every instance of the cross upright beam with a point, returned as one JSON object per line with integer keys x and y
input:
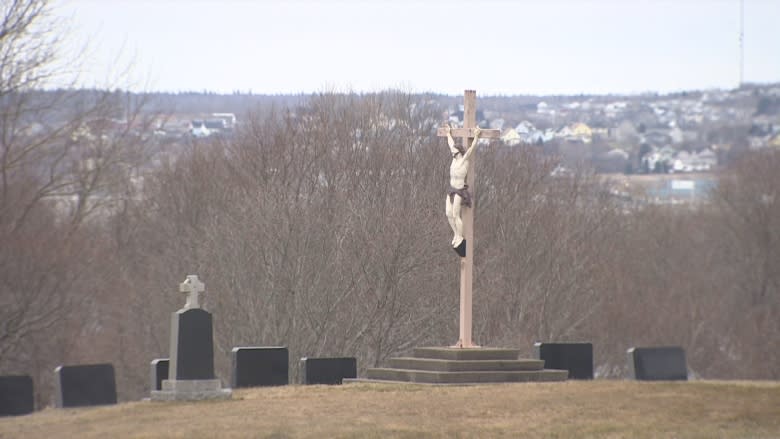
{"x": 467, "y": 215}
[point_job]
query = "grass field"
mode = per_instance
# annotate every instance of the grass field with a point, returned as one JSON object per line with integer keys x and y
{"x": 700, "y": 409}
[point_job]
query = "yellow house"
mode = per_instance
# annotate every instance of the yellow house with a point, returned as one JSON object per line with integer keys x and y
{"x": 582, "y": 132}
{"x": 510, "y": 137}
{"x": 775, "y": 141}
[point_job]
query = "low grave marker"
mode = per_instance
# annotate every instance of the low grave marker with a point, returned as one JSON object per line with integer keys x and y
{"x": 259, "y": 366}
{"x": 577, "y": 358}
{"x": 16, "y": 395}
{"x": 159, "y": 372}
{"x": 85, "y": 385}
{"x": 327, "y": 370}
{"x": 658, "y": 363}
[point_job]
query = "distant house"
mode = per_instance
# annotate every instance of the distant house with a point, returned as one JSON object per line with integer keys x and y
{"x": 541, "y": 136}
{"x": 654, "y": 162}
{"x": 525, "y": 127}
{"x": 615, "y": 109}
{"x": 757, "y": 142}
{"x": 511, "y": 137}
{"x": 229, "y": 118}
{"x": 775, "y": 141}
{"x": 577, "y": 132}
{"x": 544, "y": 108}
{"x": 198, "y": 129}
{"x": 216, "y": 124}
{"x": 564, "y": 133}
{"x": 704, "y": 160}
{"x": 582, "y": 132}
{"x": 708, "y": 157}
{"x": 528, "y": 133}
{"x": 497, "y": 124}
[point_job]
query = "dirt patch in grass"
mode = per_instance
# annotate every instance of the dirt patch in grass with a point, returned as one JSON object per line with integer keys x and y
{"x": 702, "y": 409}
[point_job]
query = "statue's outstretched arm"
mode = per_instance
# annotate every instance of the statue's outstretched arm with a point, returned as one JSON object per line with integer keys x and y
{"x": 450, "y": 140}
{"x": 473, "y": 146}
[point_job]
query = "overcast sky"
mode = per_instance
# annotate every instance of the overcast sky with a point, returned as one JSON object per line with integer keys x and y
{"x": 496, "y": 47}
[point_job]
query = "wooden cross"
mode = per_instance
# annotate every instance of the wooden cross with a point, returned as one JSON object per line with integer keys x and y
{"x": 467, "y": 214}
{"x": 192, "y": 286}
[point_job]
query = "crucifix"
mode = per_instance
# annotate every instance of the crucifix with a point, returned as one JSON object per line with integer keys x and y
{"x": 460, "y": 205}
{"x": 192, "y": 286}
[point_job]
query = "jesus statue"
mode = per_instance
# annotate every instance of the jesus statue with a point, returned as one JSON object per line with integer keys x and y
{"x": 458, "y": 194}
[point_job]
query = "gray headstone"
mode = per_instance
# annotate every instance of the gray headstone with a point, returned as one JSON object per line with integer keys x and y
{"x": 159, "y": 372}
{"x": 259, "y": 366}
{"x": 191, "y": 363}
{"x": 86, "y": 385}
{"x": 577, "y": 358}
{"x": 658, "y": 363}
{"x": 192, "y": 345}
{"x": 327, "y": 370}
{"x": 16, "y": 395}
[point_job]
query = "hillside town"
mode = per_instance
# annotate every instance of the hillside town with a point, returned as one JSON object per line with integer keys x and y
{"x": 667, "y": 147}
{"x": 684, "y": 132}
{"x": 652, "y": 147}
{"x": 645, "y": 134}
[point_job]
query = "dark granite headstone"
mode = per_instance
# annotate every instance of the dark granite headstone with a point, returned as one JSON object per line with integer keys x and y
{"x": 86, "y": 385}
{"x": 577, "y": 358}
{"x": 327, "y": 370}
{"x": 658, "y": 363}
{"x": 16, "y": 395}
{"x": 260, "y": 366}
{"x": 193, "y": 355}
{"x": 159, "y": 373}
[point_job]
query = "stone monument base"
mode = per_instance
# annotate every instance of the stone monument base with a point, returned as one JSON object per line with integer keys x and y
{"x": 191, "y": 390}
{"x": 463, "y": 366}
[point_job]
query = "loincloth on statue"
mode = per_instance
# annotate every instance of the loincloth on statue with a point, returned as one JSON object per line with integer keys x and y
{"x": 464, "y": 194}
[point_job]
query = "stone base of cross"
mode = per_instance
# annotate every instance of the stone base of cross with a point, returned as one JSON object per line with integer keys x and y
{"x": 467, "y": 215}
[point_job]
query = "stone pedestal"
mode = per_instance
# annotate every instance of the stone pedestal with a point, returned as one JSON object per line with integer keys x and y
{"x": 463, "y": 366}
{"x": 191, "y": 390}
{"x": 191, "y": 368}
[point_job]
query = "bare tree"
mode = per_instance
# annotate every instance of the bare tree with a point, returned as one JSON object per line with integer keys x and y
{"x": 67, "y": 159}
{"x": 314, "y": 228}
{"x": 748, "y": 197}
{"x": 544, "y": 237}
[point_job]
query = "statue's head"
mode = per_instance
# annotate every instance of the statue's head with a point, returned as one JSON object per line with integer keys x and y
{"x": 456, "y": 149}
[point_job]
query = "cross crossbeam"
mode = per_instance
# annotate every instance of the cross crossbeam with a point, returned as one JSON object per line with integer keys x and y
{"x": 469, "y": 132}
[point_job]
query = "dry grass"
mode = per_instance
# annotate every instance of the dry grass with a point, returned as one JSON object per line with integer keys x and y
{"x": 703, "y": 409}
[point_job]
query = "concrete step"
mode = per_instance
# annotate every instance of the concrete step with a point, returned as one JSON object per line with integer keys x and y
{"x": 439, "y": 353}
{"x": 422, "y": 376}
{"x": 464, "y": 365}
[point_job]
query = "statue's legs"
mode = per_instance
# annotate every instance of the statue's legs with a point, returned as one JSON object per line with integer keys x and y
{"x": 456, "y": 223}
